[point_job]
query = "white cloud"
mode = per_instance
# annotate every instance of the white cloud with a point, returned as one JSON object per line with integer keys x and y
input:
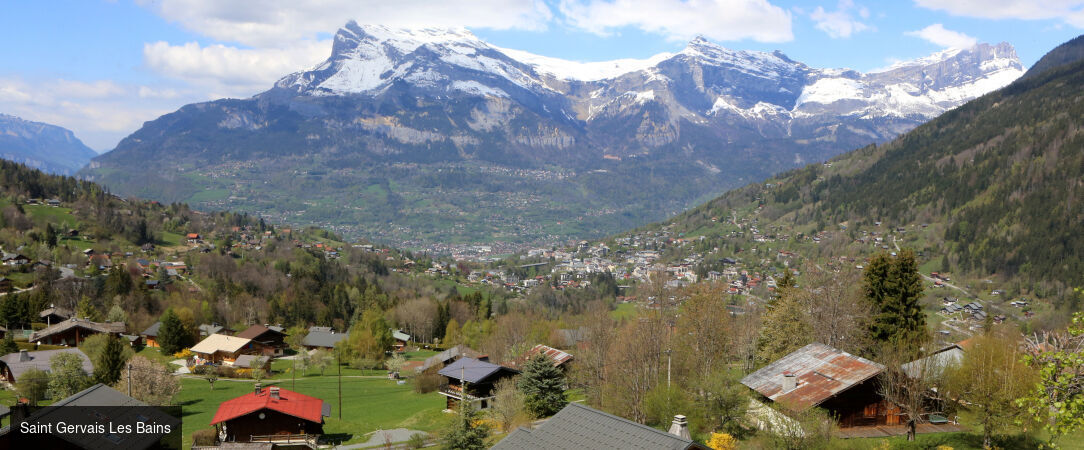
{"x": 100, "y": 112}
{"x": 938, "y": 35}
{"x": 232, "y": 71}
{"x": 840, "y": 23}
{"x": 721, "y": 20}
{"x": 1069, "y": 11}
{"x": 268, "y": 23}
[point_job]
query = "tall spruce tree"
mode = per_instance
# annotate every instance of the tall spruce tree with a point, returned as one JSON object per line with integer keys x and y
{"x": 893, "y": 286}
{"x": 107, "y": 368}
{"x": 172, "y": 336}
{"x": 8, "y": 345}
{"x": 785, "y": 328}
{"x": 543, "y": 385}
{"x": 465, "y": 432}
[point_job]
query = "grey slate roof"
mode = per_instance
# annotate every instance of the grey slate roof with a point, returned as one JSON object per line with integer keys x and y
{"x": 209, "y": 329}
{"x": 472, "y": 370}
{"x": 448, "y": 355}
{"x": 117, "y": 408}
{"x": 400, "y": 336}
{"x": 152, "y": 330}
{"x": 579, "y": 427}
{"x": 41, "y": 360}
{"x": 60, "y": 327}
{"x": 246, "y": 361}
{"x": 324, "y": 339}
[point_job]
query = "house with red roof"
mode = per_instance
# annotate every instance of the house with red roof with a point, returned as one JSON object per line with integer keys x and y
{"x": 272, "y": 415}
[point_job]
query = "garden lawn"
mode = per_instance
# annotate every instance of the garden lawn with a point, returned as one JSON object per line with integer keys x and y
{"x": 368, "y": 404}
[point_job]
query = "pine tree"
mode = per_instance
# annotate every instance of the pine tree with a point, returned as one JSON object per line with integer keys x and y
{"x": 894, "y": 287}
{"x": 543, "y": 384}
{"x": 466, "y": 432}
{"x": 107, "y": 368}
{"x": 8, "y": 344}
{"x": 172, "y": 337}
{"x": 785, "y": 328}
{"x": 86, "y": 310}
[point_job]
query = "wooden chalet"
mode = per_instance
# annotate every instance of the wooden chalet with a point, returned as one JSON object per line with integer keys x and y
{"x": 479, "y": 378}
{"x": 266, "y": 340}
{"x": 55, "y": 314}
{"x": 15, "y": 364}
{"x": 150, "y": 335}
{"x": 221, "y": 349}
{"x": 322, "y": 338}
{"x": 401, "y": 340}
{"x": 818, "y": 375}
{"x": 272, "y": 415}
{"x": 73, "y": 331}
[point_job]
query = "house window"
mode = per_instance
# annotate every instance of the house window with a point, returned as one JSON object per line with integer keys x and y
{"x": 870, "y": 411}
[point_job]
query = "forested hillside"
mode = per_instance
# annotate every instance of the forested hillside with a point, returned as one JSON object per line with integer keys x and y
{"x": 993, "y": 187}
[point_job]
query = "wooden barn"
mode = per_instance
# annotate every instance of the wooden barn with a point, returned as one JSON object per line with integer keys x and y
{"x": 818, "y": 375}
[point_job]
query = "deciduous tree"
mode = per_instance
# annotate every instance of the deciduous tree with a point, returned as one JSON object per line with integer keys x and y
{"x": 1058, "y": 397}
{"x": 152, "y": 383}
{"x": 66, "y": 375}
{"x": 991, "y": 377}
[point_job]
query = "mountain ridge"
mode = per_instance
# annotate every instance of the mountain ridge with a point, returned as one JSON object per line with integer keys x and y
{"x": 988, "y": 189}
{"x": 51, "y": 148}
{"x": 424, "y": 127}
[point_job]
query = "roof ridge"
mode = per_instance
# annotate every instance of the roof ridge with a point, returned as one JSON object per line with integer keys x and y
{"x": 622, "y": 419}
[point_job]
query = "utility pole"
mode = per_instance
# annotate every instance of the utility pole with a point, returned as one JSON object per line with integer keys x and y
{"x": 339, "y": 364}
{"x": 129, "y": 379}
{"x": 668, "y": 351}
{"x": 293, "y": 373}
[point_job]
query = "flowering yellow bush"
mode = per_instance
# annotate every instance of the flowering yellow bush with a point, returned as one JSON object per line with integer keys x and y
{"x": 722, "y": 441}
{"x": 183, "y": 354}
{"x": 943, "y": 447}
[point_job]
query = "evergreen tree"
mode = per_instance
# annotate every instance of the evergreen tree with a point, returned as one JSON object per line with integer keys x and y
{"x": 172, "y": 336}
{"x": 466, "y": 432}
{"x": 785, "y": 328}
{"x": 894, "y": 287}
{"x": 543, "y": 384}
{"x": 8, "y": 344}
{"x": 86, "y": 310}
{"x": 110, "y": 363}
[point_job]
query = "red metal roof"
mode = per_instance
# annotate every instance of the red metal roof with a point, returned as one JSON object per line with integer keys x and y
{"x": 289, "y": 402}
{"x": 822, "y": 372}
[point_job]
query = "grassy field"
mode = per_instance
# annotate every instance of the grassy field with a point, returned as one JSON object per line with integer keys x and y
{"x": 623, "y": 311}
{"x": 61, "y": 218}
{"x": 368, "y": 404}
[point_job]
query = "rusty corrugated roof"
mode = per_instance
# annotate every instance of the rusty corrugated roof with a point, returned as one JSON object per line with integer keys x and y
{"x": 821, "y": 371}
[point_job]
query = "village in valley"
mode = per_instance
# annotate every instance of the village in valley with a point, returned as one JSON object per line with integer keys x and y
{"x": 388, "y": 379}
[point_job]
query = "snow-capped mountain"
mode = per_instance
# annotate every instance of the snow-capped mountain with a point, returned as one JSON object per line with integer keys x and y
{"x": 662, "y": 131}
{"x": 370, "y": 59}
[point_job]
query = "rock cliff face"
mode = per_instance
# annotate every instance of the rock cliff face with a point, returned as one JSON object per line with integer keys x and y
{"x": 707, "y": 117}
{"x": 42, "y": 146}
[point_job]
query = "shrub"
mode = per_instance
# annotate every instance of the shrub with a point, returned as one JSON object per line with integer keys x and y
{"x": 417, "y": 440}
{"x": 426, "y": 383}
{"x": 183, "y": 354}
{"x": 203, "y": 437}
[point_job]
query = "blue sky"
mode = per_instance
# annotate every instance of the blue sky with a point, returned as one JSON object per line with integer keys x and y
{"x": 102, "y": 68}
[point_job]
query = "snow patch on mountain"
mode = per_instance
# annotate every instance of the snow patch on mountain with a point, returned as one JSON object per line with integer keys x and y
{"x": 584, "y": 71}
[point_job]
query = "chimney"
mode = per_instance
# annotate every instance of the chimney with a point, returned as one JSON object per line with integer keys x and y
{"x": 274, "y": 390}
{"x": 24, "y": 356}
{"x": 680, "y": 427}
{"x": 790, "y": 381}
{"x": 259, "y": 388}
